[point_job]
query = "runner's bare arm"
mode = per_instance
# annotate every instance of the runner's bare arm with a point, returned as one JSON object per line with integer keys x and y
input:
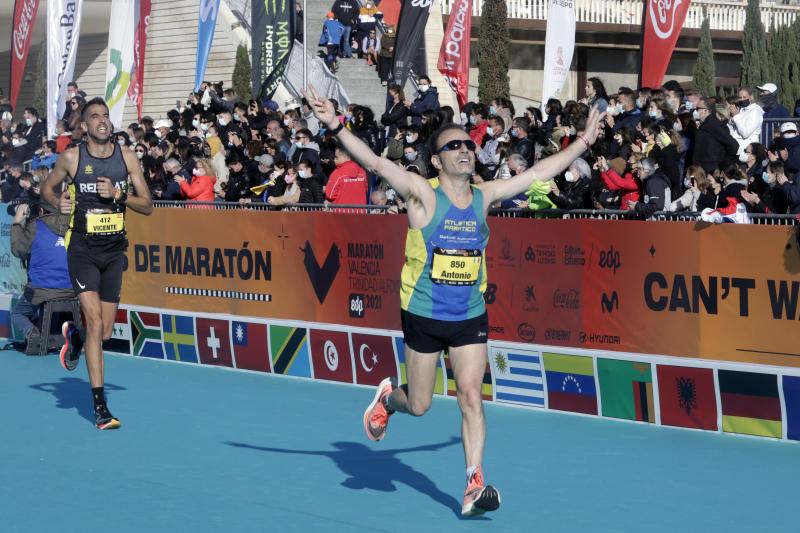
{"x": 140, "y": 201}
{"x": 413, "y": 187}
{"x": 63, "y": 168}
{"x": 547, "y": 168}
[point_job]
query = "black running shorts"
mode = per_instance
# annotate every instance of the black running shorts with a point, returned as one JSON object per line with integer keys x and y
{"x": 96, "y": 267}
{"x": 428, "y": 335}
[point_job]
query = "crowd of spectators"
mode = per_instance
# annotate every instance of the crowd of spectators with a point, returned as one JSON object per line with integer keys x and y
{"x": 662, "y": 149}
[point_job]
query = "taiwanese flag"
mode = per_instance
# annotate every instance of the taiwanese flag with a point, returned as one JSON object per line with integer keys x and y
{"x": 330, "y": 354}
{"x": 486, "y": 386}
{"x": 570, "y": 383}
{"x": 626, "y": 389}
{"x": 687, "y": 397}
{"x": 373, "y": 357}
{"x": 250, "y": 346}
{"x": 791, "y": 395}
{"x": 213, "y": 342}
{"x": 750, "y": 403}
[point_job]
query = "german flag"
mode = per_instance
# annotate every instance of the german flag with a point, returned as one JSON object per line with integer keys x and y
{"x": 486, "y": 387}
{"x": 750, "y": 403}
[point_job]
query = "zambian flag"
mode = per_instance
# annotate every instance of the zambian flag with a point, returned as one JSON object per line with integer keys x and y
{"x": 626, "y": 389}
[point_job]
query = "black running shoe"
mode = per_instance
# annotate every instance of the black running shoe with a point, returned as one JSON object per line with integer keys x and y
{"x": 73, "y": 344}
{"x": 103, "y": 419}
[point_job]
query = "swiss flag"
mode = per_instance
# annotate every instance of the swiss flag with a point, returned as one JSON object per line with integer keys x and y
{"x": 213, "y": 342}
{"x": 373, "y": 357}
{"x": 330, "y": 353}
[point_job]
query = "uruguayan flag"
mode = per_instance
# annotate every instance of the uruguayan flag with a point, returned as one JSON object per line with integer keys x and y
{"x": 517, "y": 376}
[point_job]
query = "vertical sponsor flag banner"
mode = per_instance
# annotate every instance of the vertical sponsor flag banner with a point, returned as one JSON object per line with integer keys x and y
{"x": 21, "y": 33}
{"x": 455, "y": 49}
{"x": 273, "y": 31}
{"x": 558, "y": 48}
{"x": 373, "y": 357}
{"x": 214, "y": 342}
{"x": 687, "y": 397}
{"x": 791, "y": 395}
{"x": 486, "y": 386}
{"x": 517, "y": 376}
{"x": 661, "y": 26}
{"x": 205, "y": 36}
{"x": 626, "y": 389}
{"x": 410, "y": 30}
{"x": 120, "y": 341}
{"x": 438, "y": 387}
{"x": 63, "y": 29}
{"x": 750, "y": 403}
{"x": 141, "y": 24}
{"x": 250, "y": 345}
{"x": 179, "y": 340}
{"x": 570, "y": 383}
{"x": 289, "y": 349}
{"x": 330, "y": 354}
{"x": 146, "y": 335}
{"x": 120, "y": 64}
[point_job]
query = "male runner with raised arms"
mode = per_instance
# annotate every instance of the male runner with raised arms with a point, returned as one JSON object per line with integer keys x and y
{"x": 97, "y": 174}
{"x": 444, "y": 277}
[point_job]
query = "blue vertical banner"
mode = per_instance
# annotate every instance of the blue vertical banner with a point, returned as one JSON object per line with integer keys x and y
{"x": 205, "y": 36}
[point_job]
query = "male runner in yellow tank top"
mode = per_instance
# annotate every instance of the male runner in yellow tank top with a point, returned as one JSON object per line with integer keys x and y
{"x": 444, "y": 249}
{"x": 97, "y": 173}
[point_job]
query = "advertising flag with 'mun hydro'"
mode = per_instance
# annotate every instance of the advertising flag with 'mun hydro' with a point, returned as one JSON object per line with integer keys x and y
{"x": 63, "y": 29}
{"x": 273, "y": 31}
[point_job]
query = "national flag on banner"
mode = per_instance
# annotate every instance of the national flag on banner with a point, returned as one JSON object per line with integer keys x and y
{"x": 373, "y": 357}
{"x": 250, "y": 345}
{"x": 750, "y": 403}
{"x": 330, "y": 355}
{"x": 146, "y": 334}
{"x": 289, "y": 349}
{"x": 400, "y": 347}
{"x": 687, "y": 397}
{"x": 486, "y": 386}
{"x": 179, "y": 341}
{"x": 214, "y": 342}
{"x": 791, "y": 395}
{"x": 517, "y": 376}
{"x": 570, "y": 383}
{"x": 120, "y": 341}
{"x": 626, "y": 389}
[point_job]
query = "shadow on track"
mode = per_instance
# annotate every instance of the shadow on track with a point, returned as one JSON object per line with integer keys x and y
{"x": 74, "y": 393}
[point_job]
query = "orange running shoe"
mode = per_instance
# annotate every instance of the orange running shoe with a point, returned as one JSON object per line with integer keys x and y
{"x": 376, "y": 417}
{"x": 479, "y": 499}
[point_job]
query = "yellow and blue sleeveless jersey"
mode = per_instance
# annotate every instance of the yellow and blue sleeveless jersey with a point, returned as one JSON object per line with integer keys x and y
{"x": 444, "y": 275}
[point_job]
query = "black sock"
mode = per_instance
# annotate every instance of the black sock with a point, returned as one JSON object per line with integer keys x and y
{"x": 99, "y": 398}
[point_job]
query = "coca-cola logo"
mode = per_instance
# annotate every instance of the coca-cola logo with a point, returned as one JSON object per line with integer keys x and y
{"x": 24, "y": 27}
{"x": 662, "y": 16}
{"x": 570, "y": 299}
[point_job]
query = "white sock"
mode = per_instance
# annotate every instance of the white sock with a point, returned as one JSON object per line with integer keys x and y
{"x": 471, "y": 470}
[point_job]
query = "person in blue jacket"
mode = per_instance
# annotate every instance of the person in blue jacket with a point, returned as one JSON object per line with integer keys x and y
{"x": 332, "y": 32}
{"x": 427, "y": 100}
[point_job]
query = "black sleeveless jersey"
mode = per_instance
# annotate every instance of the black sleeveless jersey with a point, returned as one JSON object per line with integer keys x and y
{"x": 99, "y": 219}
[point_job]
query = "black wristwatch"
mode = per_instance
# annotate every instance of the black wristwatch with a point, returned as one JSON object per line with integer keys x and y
{"x": 337, "y": 129}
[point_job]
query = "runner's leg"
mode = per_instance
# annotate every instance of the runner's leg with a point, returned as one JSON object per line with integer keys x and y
{"x": 93, "y": 347}
{"x": 415, "y": 397}
{"x": 469, "y": 366}
{"x": 109, "y": 312}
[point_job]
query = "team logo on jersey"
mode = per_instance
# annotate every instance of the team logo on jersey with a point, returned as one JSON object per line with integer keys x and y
{"x": 88, "y": 170}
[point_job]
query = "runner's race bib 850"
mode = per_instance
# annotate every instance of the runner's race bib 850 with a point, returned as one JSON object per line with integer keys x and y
{"x": 456, "y": 267}
{"x": 104, "y": 223}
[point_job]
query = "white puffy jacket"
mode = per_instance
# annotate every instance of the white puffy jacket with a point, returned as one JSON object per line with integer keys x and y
{"x": 746, "y": 126}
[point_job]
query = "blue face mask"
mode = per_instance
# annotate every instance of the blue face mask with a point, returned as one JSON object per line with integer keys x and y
{"x": 688, "y": 105}
{"x": 653, "y": 114}
{"x": 492, "y": 110}
{"x": 765, "y": 177}
{"x": 514, "y": 133}
{"x": 472, "y": 119}
{"x": 410, "y": 156}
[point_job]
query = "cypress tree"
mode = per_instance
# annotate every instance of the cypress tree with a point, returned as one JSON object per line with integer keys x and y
{"x": 704, "y": 72}
{"x": 493, "y": 42}
{"x": 756, "y": 67}
{"x": 241, "y": 74}
{"x": 40, "y": 83}
{"x": 790, "y": 92}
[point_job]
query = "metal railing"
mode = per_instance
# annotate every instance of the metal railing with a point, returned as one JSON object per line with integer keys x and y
{"x": 574, "y": 214}
{"x": 725, "y": 16}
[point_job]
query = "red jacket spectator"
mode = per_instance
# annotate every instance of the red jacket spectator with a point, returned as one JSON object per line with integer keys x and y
{"x": 202, "y": 187}
{"x": 348, "y": 182}
{"x": 478, "y": 133}
{"x": 628, "y": 183}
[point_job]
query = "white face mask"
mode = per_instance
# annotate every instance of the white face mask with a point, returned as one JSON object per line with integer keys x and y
{"x": 196, "y": 123}
{"x": 299, "y": 144}
{"x": 223, "y": 122}
{"x": 159, "y": 134}
{"x": 464, "y": 119}
{"x": 15, "y": 142}
{"x": 696, "y": 114}
{"x": 570, "y": 176}
{"x": 409, "y": 139}
{"x": 71, "y": 94}
{"x": 204, "y": 127}
{"x": 743, "y": 157}
{"x": 237, "y": 118}
{"x": 139, "y": 155}
{"x": 677, "y": 126}
{"x": 489, "y": 131}
{"x": 121, "y": 142}
{"x": 29, "y": 121}
{"x": 301, "y": 174}
{"x": 424, "y": 88}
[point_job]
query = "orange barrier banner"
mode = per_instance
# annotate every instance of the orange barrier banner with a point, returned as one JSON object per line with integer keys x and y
{"x": 724, "y": 292}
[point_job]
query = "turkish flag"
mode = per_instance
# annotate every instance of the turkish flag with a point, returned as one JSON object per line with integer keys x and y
{"x": 214, "y": 342}
{"x": 373, "y": 357}
{"x": 663, "y": 20}
{"x": 330, "y": 354}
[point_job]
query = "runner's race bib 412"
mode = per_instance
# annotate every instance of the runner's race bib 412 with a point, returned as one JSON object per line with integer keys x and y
{"x": 104, "y": 223}
{"x": 456, "y": 267}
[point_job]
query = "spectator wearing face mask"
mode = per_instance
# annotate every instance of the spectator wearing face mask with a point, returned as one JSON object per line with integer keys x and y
{"x": 514, "y": 165}
{"x": 615, "y": 178}
{"x": 347, "y": 184}
{"x": 576, "y": 193}
{"x": 386, "y": 54}
{"x": 202, "y": 187}
{"x": 412, "y": 158}
{"x": 521, "y": 143}
{"x": 755, "y": 158}
{"x": 768, "y": 96}
{"x": 397, "y": 115}
{"x": 312, "y": 188}
{"x": 427, "y": 100}
{"x": 168, "y": 188}
{"x": 478, "y": 123}
{"x": 714, "y": 145}
{"x": 696, "y": 185}
{"x": 770, "y": 195}
{"x": 746, "y": 120}
{"x": 291, "y": 195}
{"x": 305, "y": 148}
{"x": 787, "y": 148}
{"x": 487, "y": 156}
{"x": 241, "y": 177}
{"x": 657, "y": 195}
